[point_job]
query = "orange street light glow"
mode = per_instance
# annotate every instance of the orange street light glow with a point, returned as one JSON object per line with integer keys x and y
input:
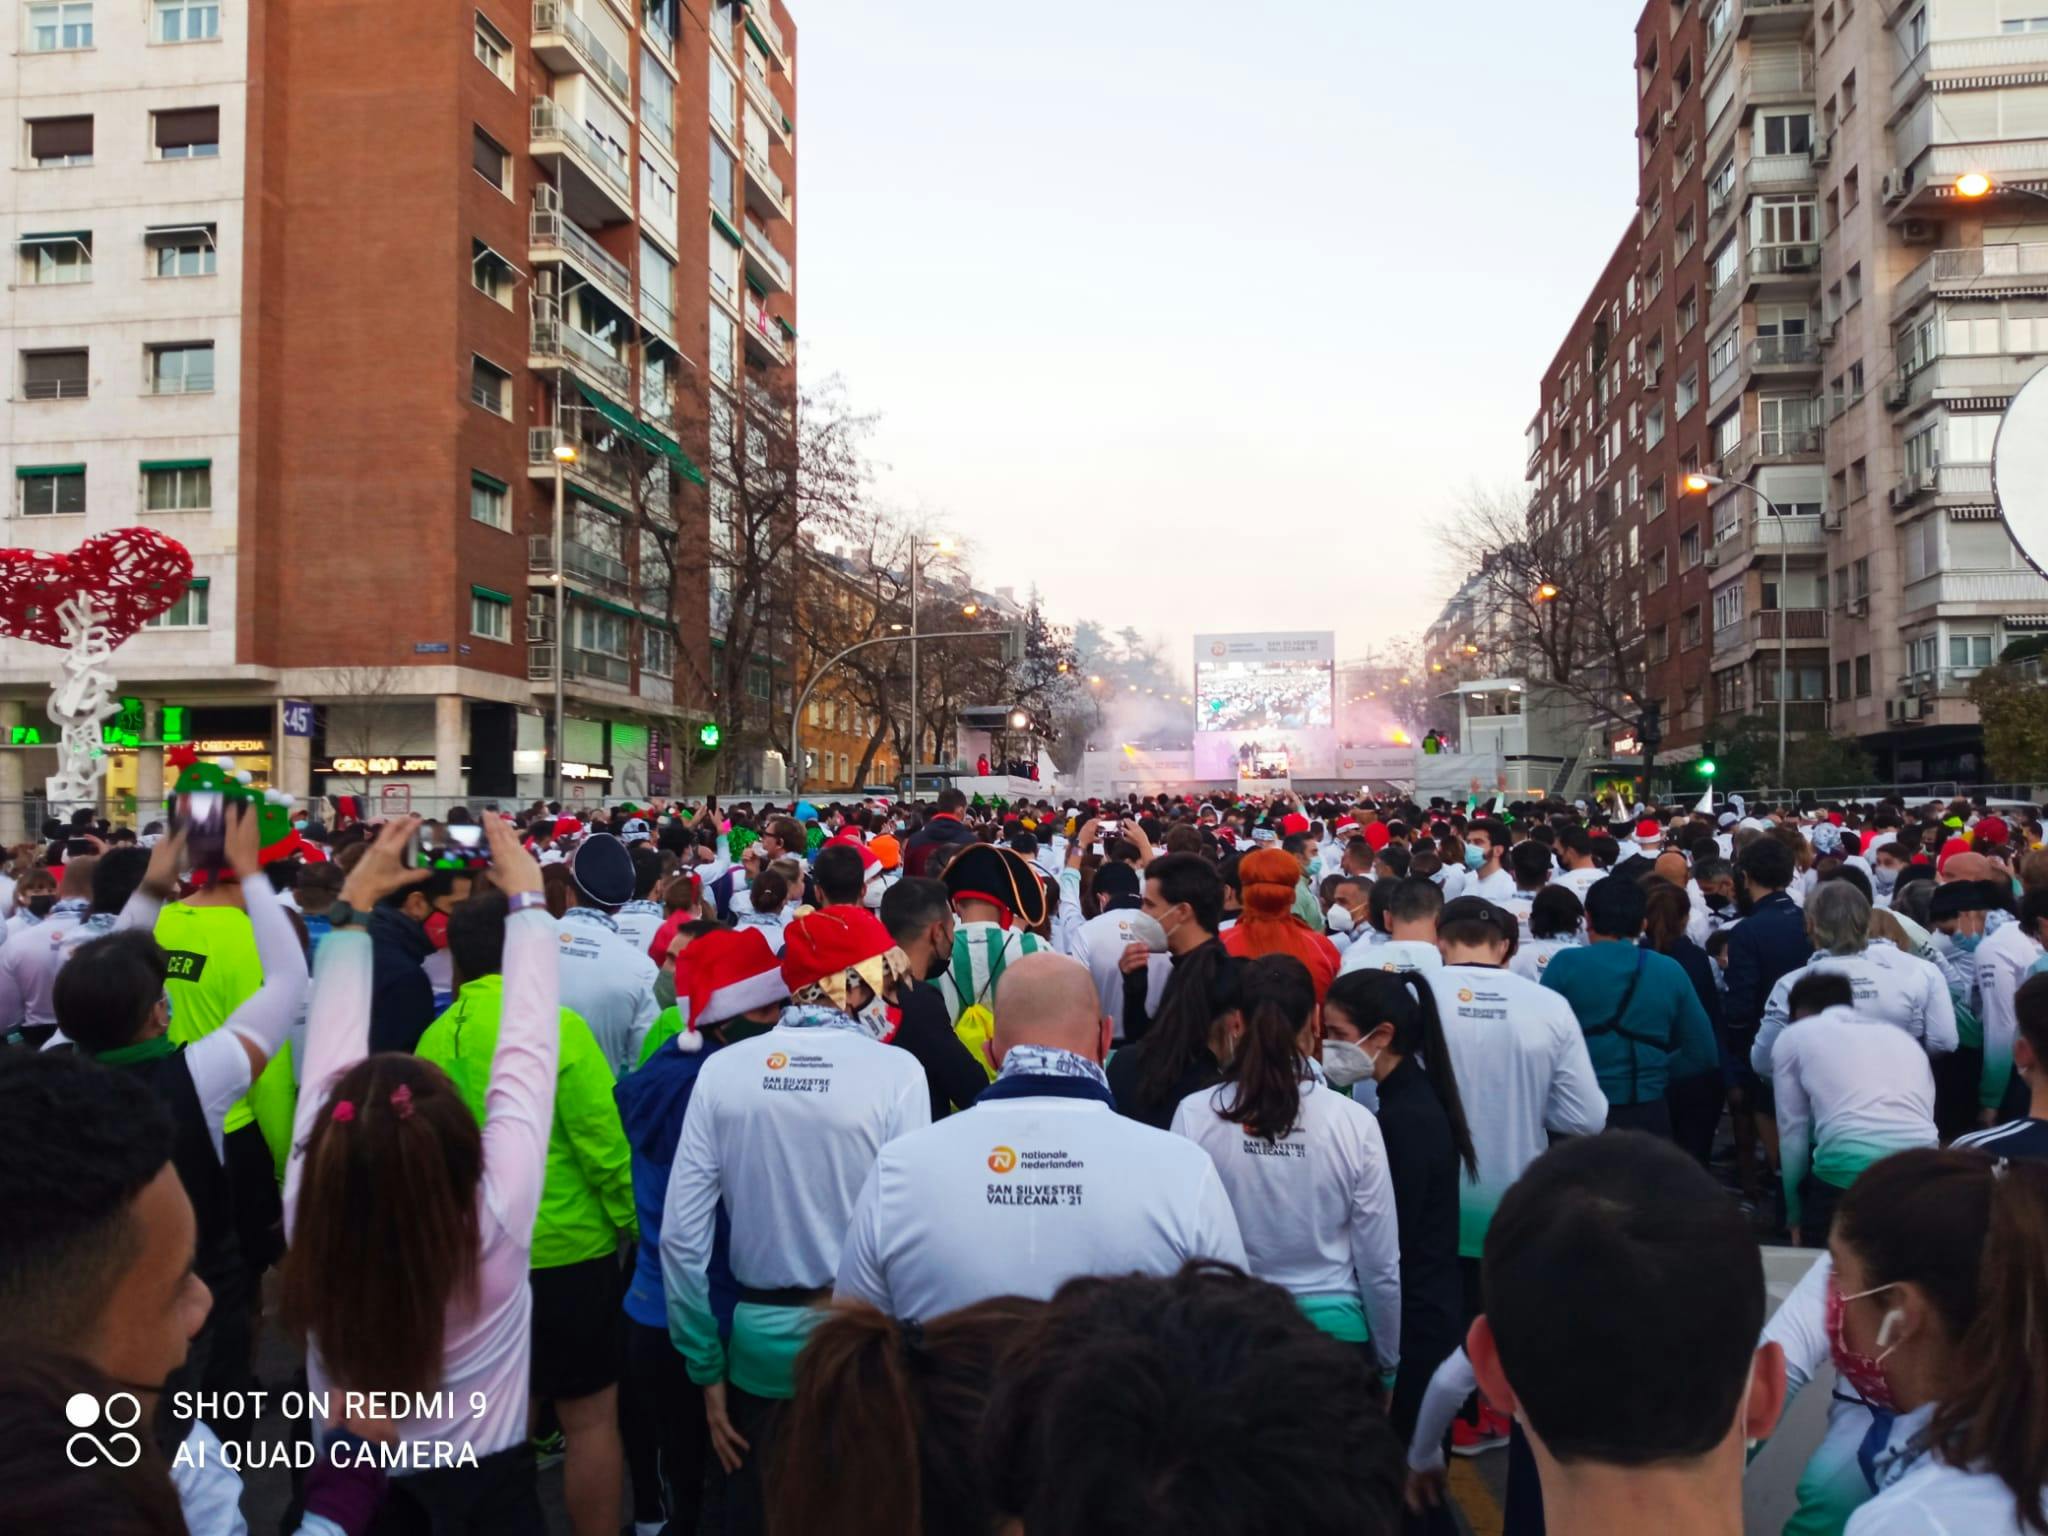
{"x": 1973, "y": 184}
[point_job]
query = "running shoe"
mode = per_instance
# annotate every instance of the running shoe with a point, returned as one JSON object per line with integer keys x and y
{"x": 1468, "y": 1439}
{"x": 550, "y": 1449}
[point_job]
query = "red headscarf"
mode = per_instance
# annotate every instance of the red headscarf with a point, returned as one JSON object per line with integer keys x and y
{"x": 1269, "y": 926}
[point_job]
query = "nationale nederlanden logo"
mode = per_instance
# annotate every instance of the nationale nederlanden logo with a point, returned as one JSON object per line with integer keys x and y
{"x": 1216, "y": 648}
{"x": 1002, "y": 1160}
{"x": 777, "y": 1061}
{"x": 1464, "y": 994}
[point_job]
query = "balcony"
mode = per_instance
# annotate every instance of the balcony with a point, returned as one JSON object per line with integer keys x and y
{"x": 1784, "y": 264}
{"x": 1784, "y": 355}
{"x": 596, "y": 181}
{"x": 1976, "y": 272}
{"x": 1762, "y": 534}
{"x": 1777, "y": 82}
{"x": 765, "y": 194}
{"x": 1781, "y": 173}
{"x": 765, "y": 346}
{"x": 1929, "y": 172}
{"x": 566, "y": 46}
{"x": 581, "y": 563}
{"x": 593, "y": 468}
{"x": 1802, "y": 625}
{"x": 655, "y": 310}
{"x": 556, "y": 345}
{"x": 768, "y": 35}
{"x": 1989, "y": 381}
{"x": 1778, "y": 445}
{"x": 1773, "y": 18}
{"x": 598, "y": 667}
{"x": 762, "y": 96}
{"x": 1987, "y": 592}
{"x": 769, "y": 267}
{"x": 2020, "y": 53}
{"x": 552, "y": 236}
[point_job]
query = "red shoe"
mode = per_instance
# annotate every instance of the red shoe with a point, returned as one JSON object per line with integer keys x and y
{"x": 1468, "y": 1439}
{"x": 1494, "y": 1422}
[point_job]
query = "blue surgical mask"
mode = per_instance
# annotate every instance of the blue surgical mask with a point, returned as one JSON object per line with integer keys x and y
{"x": 1968, "y": 942}
{"x": 1474, "y": 856}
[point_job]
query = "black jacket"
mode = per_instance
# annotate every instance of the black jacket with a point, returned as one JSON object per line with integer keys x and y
{"x": 1422, "y": 1162}
{"x": 1762, "y": 948}
{"x": 943, "y": 830}
{"x": 1126, "y": 1064}
{"x": 954, "y": 1078}
{"x": 401, "y": 997}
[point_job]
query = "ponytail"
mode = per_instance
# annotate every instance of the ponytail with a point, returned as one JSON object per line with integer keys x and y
{"x": 886, "y": 1419}
{"x": 1266, "y": 1071}
{"x": 1405, "y": 1000}
{"x": 1203, "y": 988}
{"x": 1996, "y": 1417}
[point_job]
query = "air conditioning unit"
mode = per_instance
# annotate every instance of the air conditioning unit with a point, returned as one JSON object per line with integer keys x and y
{"x": 1831, "y": 520}
{"x": 1823, "y": 149}
{"x": 1713, "y": 556}
{"x": 1927, "y": 477}
{"x": 1896, "y": 185}
{"x": 1798, "y": 258}
{"x": 1652, "y": 377}
{"x": 1670, "y": 120}
{"x": 1859, "y": 607}
{"x": 1920, "y": 231}
{"x": 1903, "y": 496}
{"x": 1829, "y": 332}
{"x": 1897, "y": 392}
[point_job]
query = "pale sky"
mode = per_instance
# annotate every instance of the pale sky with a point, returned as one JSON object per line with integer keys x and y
{"x": 1200, "y": 316}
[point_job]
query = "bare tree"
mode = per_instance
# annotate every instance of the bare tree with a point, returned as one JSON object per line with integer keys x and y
{"x": 371, "y": 720}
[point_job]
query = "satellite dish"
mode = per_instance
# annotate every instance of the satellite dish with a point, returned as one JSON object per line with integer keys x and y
{"x": 2019, "y": 470}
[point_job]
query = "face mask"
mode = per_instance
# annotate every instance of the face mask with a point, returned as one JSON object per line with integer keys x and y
{"x": 875, "y": 1016}
{"x": 1884, "y": 879}
{"x": 1968, "y": 942}
{"x": 1863, "y": 1373}
{"x": 1345, "y": 1063}
{"x": 1341, "y": 920}
{"x": 942, "y": 958}
{"x": 1145, "y": 930}
{"x": 1474, "y": 857}
{"x": 665, "y": 989}
{"x": 1715, "y": 901}
{"x": 39, "y": 906}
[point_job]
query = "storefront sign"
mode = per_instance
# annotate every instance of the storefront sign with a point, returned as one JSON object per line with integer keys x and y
{"x": 298, "y": 718}
{"x": 395, "y": 799}
{"x": 230, "y": 746}
{"x": 361, "y": 765}
{"x": 126, "y": 729}
{"x": 1627, "y": 746}
{"x": 585, "y": 771}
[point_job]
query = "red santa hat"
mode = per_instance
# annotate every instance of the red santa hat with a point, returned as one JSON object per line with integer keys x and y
{"x": 821, "y": 947}
{"x": 728, "y": 973}
{"x": 1648, "y": 828}
{"x": 1292, "y": 823}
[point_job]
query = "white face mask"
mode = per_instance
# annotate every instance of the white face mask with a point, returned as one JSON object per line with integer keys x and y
{"x": 1345, "y": 1063}
{"x": 1883, "y": 879}
{"x": 871, "y": 895}
{"x": 1340, "y": 919}
{"x": 1145, "y": 930}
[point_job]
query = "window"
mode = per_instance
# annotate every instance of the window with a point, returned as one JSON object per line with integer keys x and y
{"x": 490, "y": 614}
{"x": 47, "y": 491}
{"x": 1785, "y": 220}
{"x": 52, "y": 259}
{"x": 1653, "y": 281}
{"x": 1920, "y": 654}
{"x": 721, "y": 345}
{"x": 1787, "y": 133}
{"x": 1656, "y": 572}
{"x": 1657, "y": 645}
{"x": 1863, "y": 677}
{"x": 53, "y": 27}
{"x": 599, "y": 630}
{"x": 188, "y": 133}
{"x": 2009, "y": 26}
{"x": 489, "y": 500}
{"x": 1854, "y": 290}
{"x": 1859, "y": 480}
{"x": 1683, "y": 232}
{"x": 1969, "y": 651}
{"x": 187, "y": 21}
{"x": 54, "y": 141}
{"x": 1688, "y": 390}
{"x": 489, "y": 387}
{"x": 181, "y": 368}
{"x": 1849, "y": 93}
{"x": 721, "y": 95}
{"x": 491, "y": 274}
{"x": 178, "y": 486}
{"x": 489, "y": 160}
{"x": 1689, "y": 634}
{"x": 757, "y": 682}
{"x": 1859, "y": 578}
{"x": 56, "y": 375}
{"x": 660, "y": 25}
{"x": 1720, "y": 186}
{"x": 1689, "y": 548}
{"x": 657, "y": 384}
{"x": 1653, "y": 501}
{"x": 1721, "y": 356}
{"x": 182, "y": 250}
{"x": 1852, "y": 189}
{"x": 721, "y": 179}
{"x": 657, "y": 199}
{"x": 1728, "y": 606}
{"x": 725, "y": 268}
{"x": 657, "y": 651}
{"x": 1855, "y": 382}
{"x": 657, "y": 99}
{"x": 492, "y": 49}
{"x": 1653, "y": 426}
{"x": 189, "y": 611}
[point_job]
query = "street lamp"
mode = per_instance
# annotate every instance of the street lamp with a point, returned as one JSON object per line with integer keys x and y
{"x": 565, "y": 455}
{"x": 1696, "y": 484}
{"x": 1547, "y": 592}
{"x": 1973, "y": 186}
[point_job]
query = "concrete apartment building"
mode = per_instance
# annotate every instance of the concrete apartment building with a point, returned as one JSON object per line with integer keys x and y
{"x": 329, "y": 328}
{"x": 1826, "y": 327}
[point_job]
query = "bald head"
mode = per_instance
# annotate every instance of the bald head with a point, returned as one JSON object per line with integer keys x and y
{"x": 77, "y": 877}
{"x": 1671, "y": 866}
{"x": 1965, "y": 866}
{"x": 1049, "y": 999}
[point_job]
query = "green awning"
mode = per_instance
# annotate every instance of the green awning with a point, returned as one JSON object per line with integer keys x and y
{"x": 200, "y": 581}
{"x": 33, "y": 471}
{"x": 653, "y": 437}
{"x": 598, "y": 602}
{"x": 152, "y": 465}
{"x": 476, "y": 477}
{"x": 491, "y": 594}
{"x": 600, "y": 503}
{"x": 787, "y": 329}
{"x": 755, "y": 33}
{"x": 725, "y": 229}
{"x": 657, "y": 622}
{"x": 787, "y": 125}
{"x": 756, "y": 286}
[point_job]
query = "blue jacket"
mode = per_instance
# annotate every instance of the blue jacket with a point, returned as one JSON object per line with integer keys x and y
{"x": 652, "y": 1100}
{"x": 1763, "y": 947}
{"x": 1663, "y": 1034}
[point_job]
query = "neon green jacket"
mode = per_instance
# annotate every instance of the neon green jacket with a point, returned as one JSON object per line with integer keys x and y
{"x": 586, "y": 1202}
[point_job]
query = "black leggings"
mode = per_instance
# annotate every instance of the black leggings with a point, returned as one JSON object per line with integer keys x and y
{"x": 661, "y": 1420}
{"x": 496, "y": 1497}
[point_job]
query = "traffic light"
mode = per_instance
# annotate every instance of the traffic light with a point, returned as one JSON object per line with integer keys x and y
{"x": 1704, "y": 768}
{"x": 708, "y": 734}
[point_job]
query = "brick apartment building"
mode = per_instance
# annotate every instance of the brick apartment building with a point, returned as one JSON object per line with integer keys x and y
{"x": 329, "y": 328}
{"x": 1804, "y": 309}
